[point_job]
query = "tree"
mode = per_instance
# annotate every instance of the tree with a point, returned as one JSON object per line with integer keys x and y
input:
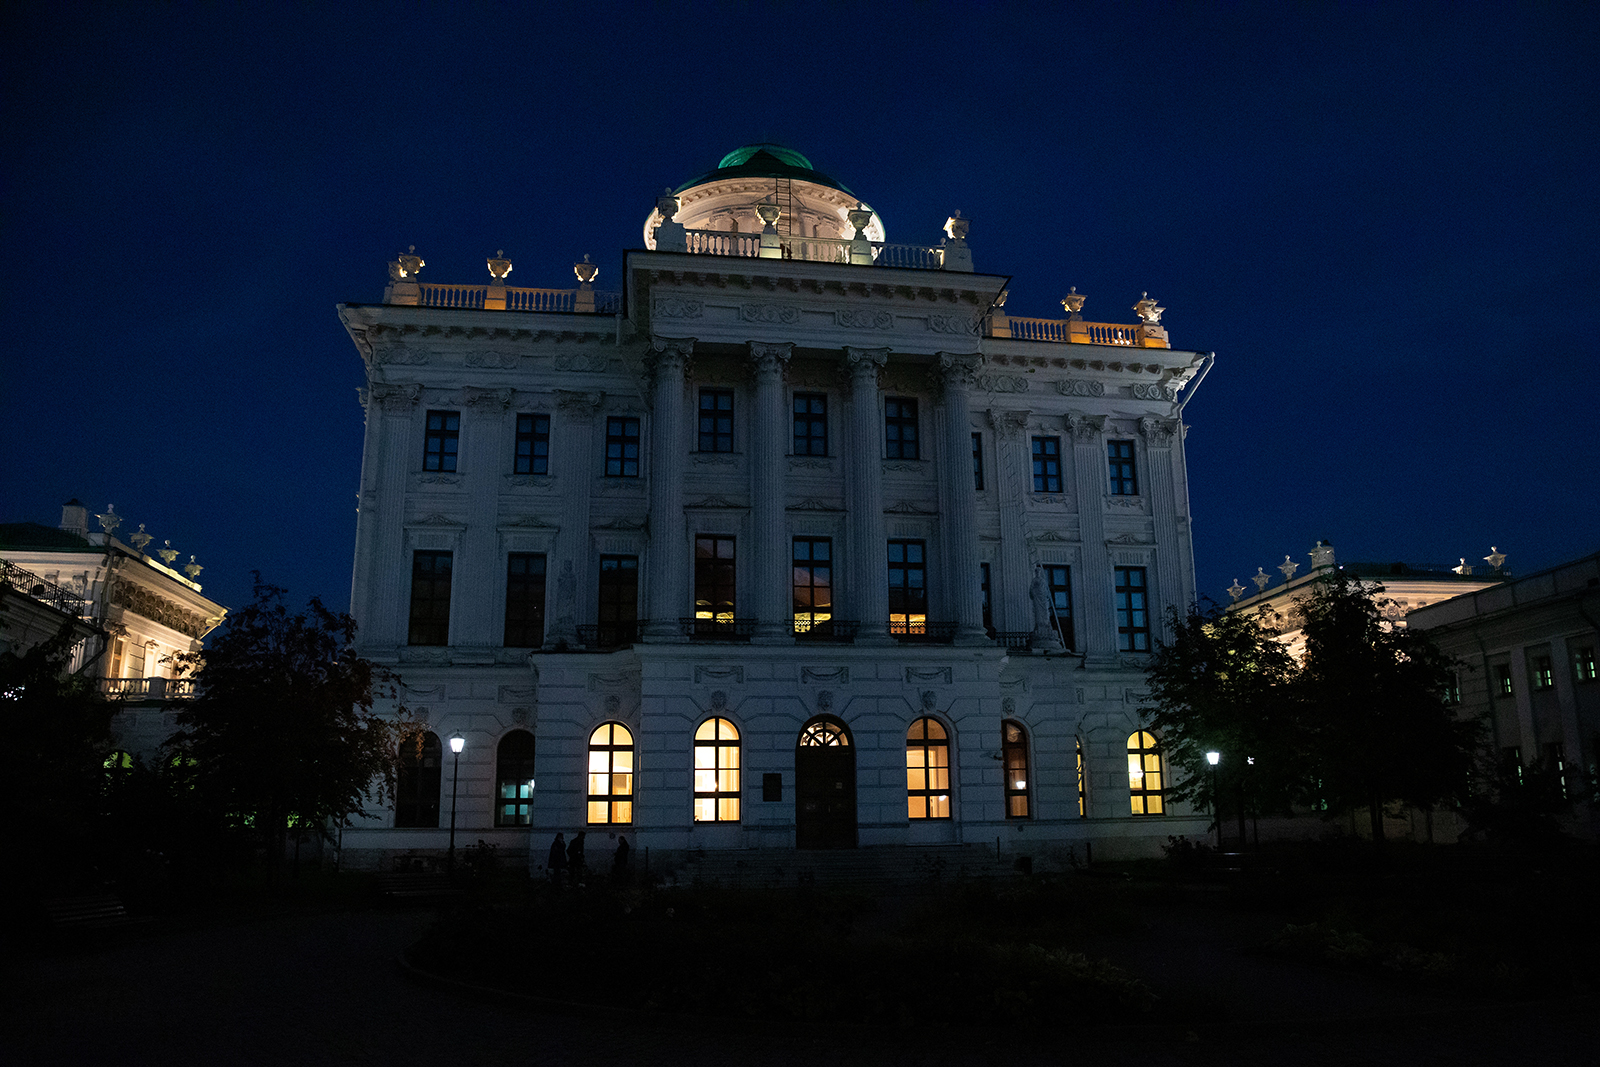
{"x": 1373, "y": 701}
{"x": 1224, "y": 684}
{"x": 281, "y": 732}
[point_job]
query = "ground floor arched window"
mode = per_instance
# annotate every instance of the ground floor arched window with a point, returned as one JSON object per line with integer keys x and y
{"x": 716, "y": 772}
{"x": 1146, "y": 777}
{"x": 417, "y": 778}
{"x": 1014, "y": 754}
{"x": 611, "y": 774}
{"x": 928, "y": 770}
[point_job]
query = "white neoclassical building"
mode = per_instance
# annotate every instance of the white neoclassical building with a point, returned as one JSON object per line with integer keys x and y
{"x": 796, "y": 540}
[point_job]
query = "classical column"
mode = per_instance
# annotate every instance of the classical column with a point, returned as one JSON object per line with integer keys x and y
{"x": 575, "y": 466}
{"x": 869, "y": 567}
{"x": 479, "y": 570}
{"x": 1008, "y": 590}
{"x": 1098, "y": 633}
{"x": 768, "y": 468}
{"x": 1164, "y": 507}
{"x": 382, "y": 515}
{"x": 960, "y": 525}
{"x": 667, "y": 590}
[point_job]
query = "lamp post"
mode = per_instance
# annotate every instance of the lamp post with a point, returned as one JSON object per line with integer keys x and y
{"x": 1212, "y": 758}
{"x": 457, "y": 743}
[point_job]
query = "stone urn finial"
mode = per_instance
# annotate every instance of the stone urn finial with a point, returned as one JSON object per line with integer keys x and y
{"x": 499, "y": 266}
{"x": 667, "y": 204}
{"x": 1235, "y": 590}
{"x": 192, "y": 569}
{"x": 140, "y": 539}
{"x": 1261, "y": 578}
{"x": 1495, "y": 558}
{"x": 1148, "y": 312}
{"x": 1073, "y": 302}
{"x": 586, "y": 271}
{"x": 955, "y": 227}
{"x": 167, "y": 553}
{"x": 409, "y": 263}
{"x": 860, "y": 217}
{"x": 1288, "y": 567}
{"x": 110, "y": 520}
{"x": 769, "y": 215}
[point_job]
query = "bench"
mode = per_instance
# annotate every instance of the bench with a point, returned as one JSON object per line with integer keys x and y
{"x": 416, "y": 886}
{"x": 95, "y": 911}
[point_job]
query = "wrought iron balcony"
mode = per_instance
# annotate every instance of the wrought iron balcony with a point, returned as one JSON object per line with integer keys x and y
{"x": 929, "y": 633}
{"x": 45, "y": 592}
{"x": 718, "y": 630}
{"x": 610, "y": 634}
{"x": 833, "y": 631}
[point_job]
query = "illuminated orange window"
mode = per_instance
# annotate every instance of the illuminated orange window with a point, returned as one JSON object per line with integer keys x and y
{"x": 716, "y": 772}
{"x": 927, "y": 770}
{"x": 611, "y": 774}
{"x": 1146, "y": 779}
{"x": 1014, "y": 752}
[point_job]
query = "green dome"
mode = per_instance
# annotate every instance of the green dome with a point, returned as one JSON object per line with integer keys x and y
{"x": 765, "y": 160}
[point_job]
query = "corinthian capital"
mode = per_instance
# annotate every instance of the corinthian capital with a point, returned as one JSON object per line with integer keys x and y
{"x": 396, "y": 399}
{"x": 865, "y": 362}
{"x": 1086, "y": 427}
{"x": 1008, "y": 424}
{"x": 1158, "y": 432}
{"x": 958, "y": 372}
{"x": 486, "y": 401}
{"x": 769, "y": 358}
{"x": 667, "y": 353}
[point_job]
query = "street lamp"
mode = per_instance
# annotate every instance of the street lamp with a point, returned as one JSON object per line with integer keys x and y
{"x": 457, "y": 743}
{"x": 1212, "y": 758}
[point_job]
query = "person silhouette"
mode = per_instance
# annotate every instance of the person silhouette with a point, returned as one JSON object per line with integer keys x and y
{"x": 575, "y": 857}
{"x": 557, "y": 860}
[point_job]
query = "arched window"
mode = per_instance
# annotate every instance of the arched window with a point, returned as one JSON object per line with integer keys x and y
{"x": 416, "y": 789}
{"x": 1145, "y": 777}
{"x": 927, "y": 770}
{"x": 513, "y": 780}
{"x": 611, "y": 774}
{"x": 1014, "y": 753}
{"x": 824, "y": 734}
{"x": 716, "y": 772}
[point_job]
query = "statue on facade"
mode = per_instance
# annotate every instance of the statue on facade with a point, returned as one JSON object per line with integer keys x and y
{"x": 1044, "y": 633}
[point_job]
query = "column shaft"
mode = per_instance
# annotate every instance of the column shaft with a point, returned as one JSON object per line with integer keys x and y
{"x": 868, "y": 594}
{"x": 1008, "y": 592}
{"x": 960, "y": 525}
{"x": 667, "y": 594}
{"x": 387, "y": 618}
{"x": 767, "y": 495}
{"x": 1098, "y": 637}
{"x": 574, "y": 463}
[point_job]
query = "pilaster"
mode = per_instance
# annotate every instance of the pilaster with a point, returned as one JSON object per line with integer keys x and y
{"x": 1098, "y": 638}
{"x": 666, "y": 588}
{"x": 574, "y": 457}
{"x": 477, "y": 569}
{"x": 387, "y": 611}
{"x": 960, "y": 526}
{"x": 1008, "y": 591}
{"x": 868, "y": 594}
{"x": 768, "y": 471}
{"x": 1162, "y": 489}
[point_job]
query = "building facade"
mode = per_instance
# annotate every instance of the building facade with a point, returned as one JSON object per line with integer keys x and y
{"x": 799, "y": 540}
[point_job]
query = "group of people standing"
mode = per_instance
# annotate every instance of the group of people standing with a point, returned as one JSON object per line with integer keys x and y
{"x": 566, "y": 858}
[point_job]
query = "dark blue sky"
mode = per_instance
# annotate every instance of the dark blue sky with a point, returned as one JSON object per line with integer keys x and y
{"x": 1382, "y": 217}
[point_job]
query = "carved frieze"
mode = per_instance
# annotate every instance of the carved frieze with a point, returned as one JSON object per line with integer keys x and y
{"x": 927, "y": 674}
{"x": 731, "y": 674}
{"x": 957, "y": 324}
{"x": 400, "y": 355}
{"x": 1153, "y": 392}
{"x": 499, "y": 360}
{"x": 672, "y": 307}
{"x": 835, "y": 675}
{"x": 587, "y": 362}
{"x": 713, "y": 459}
{"x": 1003, "y": 383}
{"x": 784, "y": 314}
{"x": 812, "y": 503}
{"x": 396, "y": 399}
{"x": 1080, "y": 387}
{"x": 864, "y": 319}
{"x": 141, "y": 601}
{"x": 579, "y": 404}
{"x": 486, "y": 401}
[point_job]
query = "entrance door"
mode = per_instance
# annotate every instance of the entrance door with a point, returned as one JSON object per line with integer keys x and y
{"x": 825, "y": 786}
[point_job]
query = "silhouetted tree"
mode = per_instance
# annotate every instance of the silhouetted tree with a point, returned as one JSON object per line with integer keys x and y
{"x": 281, "y": 732}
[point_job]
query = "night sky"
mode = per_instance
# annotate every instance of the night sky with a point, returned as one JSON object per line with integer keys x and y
{"x": 1381, "y": 217}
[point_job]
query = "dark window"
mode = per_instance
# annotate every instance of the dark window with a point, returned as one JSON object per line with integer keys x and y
{"x": 900, "y": 428}
{"x": 1124, "y": 478}
{"x": 525, "y": 577}
{"x": 988, "y": 602}
{"x": 1145, "y": 776}
{"x": 622, "y": 447}
{"x": 1540, "y": 674}
{"x": 813, "y": 584}
{"x": 442, "y": 442}
{"x": 1583, "y": 663}
{"x": 1047, "y": 464}
{"x": 1452, "y": 689}
{"x": 619, "y": 599}
{"x": 1502, "y": 679}
{"x": 811, "y": 424}
{"x": 1014, "y": 753}
{"x": 716, "y": 420}
{"x": 1059, "y": 579}
{"x": 713, "y": 579}
{"x": 908, "y": 587}
{"x": 416, "y": 787}
{"x": 977, "y": 461}
{"x": 430, "y": 598}
{"x": 513, "y": 776}
{"x": 533, "y": 445}
{"x": 1133, "y": 610}
{"x": 611, "y": 774}
{"x": 927, "y": 770}
{"x": 716, "y": 772}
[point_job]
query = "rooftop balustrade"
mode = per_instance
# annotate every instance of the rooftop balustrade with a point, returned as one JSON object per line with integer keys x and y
{"x": 148, "y": 688}
{"x": 46, "y": 592}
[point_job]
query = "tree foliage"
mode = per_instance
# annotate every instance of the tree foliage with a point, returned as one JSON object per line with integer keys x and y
{"x": 281, "y": 732}
{"x": 1361, "y": 723}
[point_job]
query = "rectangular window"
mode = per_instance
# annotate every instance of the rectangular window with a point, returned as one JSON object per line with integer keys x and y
{"x": 988, "y": 603}
{"x": 622, "y": 447}
{"x": 524, "y": 600}
{"x": 430, "y": 598}
{"x": 811, "y": 424}
{"x": 1133, "y": 610}
{"x": 716, "y": 420}
{"x": 442, "y": 442}
{"x": 1502, "y": 679}
{"x": 713, "y": 580}
{"x": 813, "y": 585}
{"x": 618, "y": 613}
{"x": 1059, "y": 579}
{"x": 1124, "y": 478}
{"x": 977, "y": 461}
{"x": 1583, "y": 663}
{"x": 533, "y": 445}
{"x": 908, "y": 587}
{"x": 1540, "y": 673}
{"x": 1452, "y": 690}
{"x": 1047, "y": 464}
{"x": 900, "y": 428}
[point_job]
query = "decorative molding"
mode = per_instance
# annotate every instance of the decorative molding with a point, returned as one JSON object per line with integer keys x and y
{"x": 599, "y": 683}
{"x": 864, "y": 363}
{"x": 1086, "y": 427}
{"x": 1003, "y": 383}
{"x": 396, "y": 399}
{"x": 151, "y": 605}
{"x": 1048, "y": 537}
{"x": 812, "y": 503}
{"x": 1158, "y": 432}
{"x": 769, "y": 357}
{"x": 515, "y": 694}
{"x": 733, "y": 674}
{"x": 813, "y": 675}
{"x": 784, "y": 314}
{"x": 957, "y": 324}
{"x": 821, "y": 463}
{"x": 579, "y": 404}
{"x": 713, "y": 459}
{"x": 484, "y": 401}
{"x": 1080, "y": 387}
{"x": 1153, "y": 392}
{"x": 864, "y": 319}
{"x": 719, "y": 503}
{"x": 622, "y": 524}
{"x": 546, "y": 481}
{"x": 916, "y": 466}
{"x": 400, "y": 356}
{"x": 436, "y": 520}
{"x": 1128, "y": 539}
{"x": 587, "y": 362}
{"x": 672, "y": 307}
{"x": 500, "y": 360}
{"x": 906, "y": 507}
{"x": 437, "y": 479}
{"x": 927, "y": 674}
{"x": 1121, "y": 500}
{"x": 1135, "y": 696}
{"x": 525, "y": 522}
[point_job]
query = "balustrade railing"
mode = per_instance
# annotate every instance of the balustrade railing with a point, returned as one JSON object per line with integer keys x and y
{"x": 1105, "y": 333}
{"x": 46, "y": 592}
{"x": 813, "y": 249}
{"x": 932, "y": 633}
{"x": 836, "y": 631}
{"x": 474, "y": 298}
{"x": 1072, "y": 331}
{"x": 148, "y": 688}
{"x": 1038, "y": 329}
{"x": 609, "y": 634}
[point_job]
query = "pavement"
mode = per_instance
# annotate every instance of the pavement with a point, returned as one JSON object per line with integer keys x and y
{"x": 326, "y": 989}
